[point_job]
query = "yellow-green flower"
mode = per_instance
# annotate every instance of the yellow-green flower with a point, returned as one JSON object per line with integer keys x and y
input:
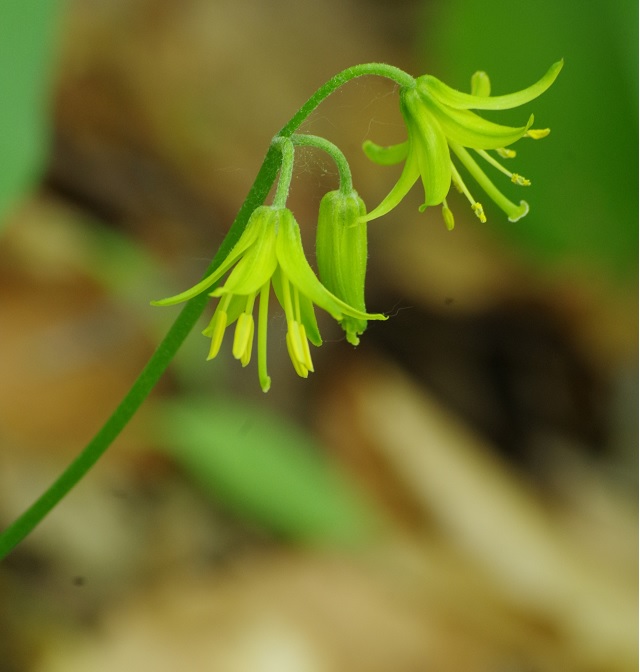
{"x": 440, "y": 122}
{"x": 269, "y": 253}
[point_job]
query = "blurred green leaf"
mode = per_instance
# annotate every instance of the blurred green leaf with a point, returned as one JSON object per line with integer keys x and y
{"x": 27, "y": 32}
{"x": 583, "y": 200}
{"x": 265, "y": 469}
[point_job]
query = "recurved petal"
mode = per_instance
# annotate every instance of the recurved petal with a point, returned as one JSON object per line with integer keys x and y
{"x": 254, "y": 227}
{"x": 470, "y": 130}
{"x": 465, "y": 101}
{"x": 385, "y": 156}
{"x": 408, "y": 177}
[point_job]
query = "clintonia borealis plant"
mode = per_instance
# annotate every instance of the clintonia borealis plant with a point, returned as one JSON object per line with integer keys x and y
{"x": 263, "y": 249}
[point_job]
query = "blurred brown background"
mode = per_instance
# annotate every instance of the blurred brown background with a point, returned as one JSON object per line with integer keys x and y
{"x": 489, "y": 425}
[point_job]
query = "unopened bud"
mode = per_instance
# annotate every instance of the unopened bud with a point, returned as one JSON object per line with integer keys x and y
{"x": 341, "y": 251}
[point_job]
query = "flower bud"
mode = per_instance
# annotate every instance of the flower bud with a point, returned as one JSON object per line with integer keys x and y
{"x": 341, "y": 250}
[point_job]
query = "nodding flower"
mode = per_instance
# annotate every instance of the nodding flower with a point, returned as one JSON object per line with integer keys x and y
{"x": 440, "y": 124}
{"x": 269, "y": 254}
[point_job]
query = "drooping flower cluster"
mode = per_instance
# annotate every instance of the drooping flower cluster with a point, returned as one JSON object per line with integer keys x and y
{"x": 269, "y": 252}
{"x": 440, "y": 122}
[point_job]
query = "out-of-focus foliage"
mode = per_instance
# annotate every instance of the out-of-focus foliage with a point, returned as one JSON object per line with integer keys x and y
{"x": 266, "y": 469}
{"x": 583, "y": 199}
{"x": 27, "y": 32}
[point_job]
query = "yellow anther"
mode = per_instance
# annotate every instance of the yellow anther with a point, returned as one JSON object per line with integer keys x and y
{"x": 518, "y": 179}
{"x": 479, "y": 212}
{"x": 243, "y": 338}
{"x": 506, "y": 153}
{"x": 514, "y": 177}
{"x": 537, "y": 133}
{"x": 460, "y": 185}
{"x": 299, "y": 367}
{"x": 216, "y": 330}
{"x": 308, "y": 362}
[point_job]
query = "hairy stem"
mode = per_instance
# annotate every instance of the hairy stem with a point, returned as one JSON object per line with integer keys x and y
{"x": 344, "y": 171}
{"x": 286, "y": 171}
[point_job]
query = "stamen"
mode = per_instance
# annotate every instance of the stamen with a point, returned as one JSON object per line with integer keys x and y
{"x": 475, "y": 206}
{"x": 299, "y": 367}
{"x": 506, "y": 153}
{"x": 447, "y": 215}
{"x": 296, "y": 342}
{"x": 514, "y": 212}
{"x": 217, "y": 326}
{"x": 522, "y": 181}
{"x": 308, "y": 362}
{"x": 263, "y": 314}
{"x": 286, "y": 298}
{"x": 296, "y": 303}
{"x": 222, "y": 306}
{"x": 462, "y": 187}
{"x": 243, "y": 338}
{"x": 456, "y": 183}
{"x": 515, "y": 178}
{"x": 478, "y": 211}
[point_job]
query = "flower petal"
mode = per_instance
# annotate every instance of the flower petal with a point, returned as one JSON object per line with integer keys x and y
{"x": 464, "y": 101}
{"x": 514, "y": 212}
{"x": 470, "y": 130}
{"x": 385, "y": 156}
{"x": 254, "y": 228}
{"x": 307, "y": 313}
{"x": 435, "y": 174}
{"x": 428, "y": 157}
{"x": 428, "y": 141}
{"x": 296, "y": 268}
{"x": 408, "y": 177}
{"x": 255, "y": 267}
{"x": 308, "y": 320}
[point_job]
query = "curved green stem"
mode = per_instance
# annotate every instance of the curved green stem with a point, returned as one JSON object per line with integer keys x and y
{"x": 400, "y": 77}
{"x": 344, "y": 171}
{"x": 286, "y": 171}
{"x": 187, "y": 318}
